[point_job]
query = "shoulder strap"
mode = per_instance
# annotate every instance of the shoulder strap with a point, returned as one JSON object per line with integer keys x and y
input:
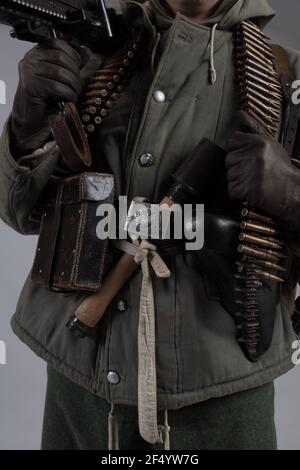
{"x": 286, "y": 74}
{"x": 282, "y": 63}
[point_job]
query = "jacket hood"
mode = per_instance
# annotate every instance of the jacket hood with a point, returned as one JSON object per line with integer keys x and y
{"x": 229, "y": 13}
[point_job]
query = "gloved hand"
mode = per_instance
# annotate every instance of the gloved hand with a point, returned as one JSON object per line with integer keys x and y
{"x": 259, "y": 171}
{"x": 49, "y": 72}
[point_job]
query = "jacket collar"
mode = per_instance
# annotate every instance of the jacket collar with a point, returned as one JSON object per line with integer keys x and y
{"x": 159, "y": 16}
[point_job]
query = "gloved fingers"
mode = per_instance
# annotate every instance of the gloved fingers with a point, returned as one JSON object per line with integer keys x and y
{"x": 235, "y": 191}
{"x": 62, "y": 77}
{"x": 60, "y": 59}
{"x": 255, "y": 146}
{"x": 54, "y": 89}
{"x": 61, "y": 46}
{"x": 237, "y": 182}
{"x": 52, "y": 56}
{"x": 239, "y": 156}
{"x": 232, "y": 160}
{"x": 234, "y": 173}
{"x": 73, "y": 49}
{"x": 86, "y": 55}
{"x": 244, "y": 140}
{"x": 239, "y": 142}
{"x": 84, "y": 52}
{"x": 60, "y": 74}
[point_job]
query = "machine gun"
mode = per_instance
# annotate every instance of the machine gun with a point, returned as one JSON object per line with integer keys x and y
{"x": 91, "y": 24}
{"x": 94, "y": 25}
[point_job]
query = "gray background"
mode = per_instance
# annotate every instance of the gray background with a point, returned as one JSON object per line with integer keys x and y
{"x": 23, "y": 379}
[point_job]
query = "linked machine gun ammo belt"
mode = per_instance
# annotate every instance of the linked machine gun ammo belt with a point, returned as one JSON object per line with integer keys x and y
{"x": 261, "y": 242}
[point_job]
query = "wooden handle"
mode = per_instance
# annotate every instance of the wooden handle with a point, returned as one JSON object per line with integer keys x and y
{"x": 93, "y": 308}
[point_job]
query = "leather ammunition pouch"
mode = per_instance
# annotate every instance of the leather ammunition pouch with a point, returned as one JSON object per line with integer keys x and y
{"x": 69, "y": 254}
{"x": 217, "y": 260}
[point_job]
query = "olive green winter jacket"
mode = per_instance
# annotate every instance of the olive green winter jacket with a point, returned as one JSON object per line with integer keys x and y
{"x": 197, "y": 355}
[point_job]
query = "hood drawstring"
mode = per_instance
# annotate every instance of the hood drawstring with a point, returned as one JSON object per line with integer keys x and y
{"x": 113, "y": 430}
{"x": 212, "y": 68}
{"x": 164, "y": 430}
{"x": 211, "y": 45}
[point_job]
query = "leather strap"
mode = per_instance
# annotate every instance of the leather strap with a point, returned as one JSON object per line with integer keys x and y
{"x": 71, "y": 140}
{"x": 69, "y": 131}
{"x": 94, "y": 187}
{"x": 286, "y": 75}
{"x": 282, "y": 63}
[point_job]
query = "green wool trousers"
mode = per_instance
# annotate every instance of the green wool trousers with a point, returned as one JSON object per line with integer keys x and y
{"x": 76, "y": 419}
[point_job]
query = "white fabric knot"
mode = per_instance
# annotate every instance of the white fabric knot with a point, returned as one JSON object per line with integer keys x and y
{"x": 148, "y": 252}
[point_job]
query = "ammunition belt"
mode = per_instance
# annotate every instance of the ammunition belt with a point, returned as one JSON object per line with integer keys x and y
{"x": 262, "y": 247}
{"x": 110, "y": 81}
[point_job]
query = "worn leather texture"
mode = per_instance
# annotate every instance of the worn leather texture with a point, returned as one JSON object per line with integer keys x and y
{"x": 70, "y": 138}
{"x": 217, "y": 260}
{"x": 69, "y": 254}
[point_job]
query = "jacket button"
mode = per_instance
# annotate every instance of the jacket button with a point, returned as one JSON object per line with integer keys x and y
{"x": 159, "y": 96}
{"x": 122, "y": 305}
{"x": 146, "y": 160}
{"x": 113, "y": 377}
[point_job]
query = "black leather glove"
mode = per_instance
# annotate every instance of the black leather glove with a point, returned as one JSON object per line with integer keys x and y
{"x": 259, "y": 171}
{"x": 49, "y": 72}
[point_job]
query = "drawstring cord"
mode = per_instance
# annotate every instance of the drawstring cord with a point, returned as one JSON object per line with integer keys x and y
{"x": 212, "y": 68}
{"x": 113, "y": 430}
{"x": 164, "y": 431}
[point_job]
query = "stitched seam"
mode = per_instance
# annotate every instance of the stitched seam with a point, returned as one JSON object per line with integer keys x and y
{"x": 24, "y": 172}
{"x": 79, "y": 238}
{"x": 8, "y": 158}
{"x": 261, "y": 370}
{"x": 193, "y": 396}
{"x": 42, "y": 347}
{"x": 148, "y": 102}
{"x": 12, "y": 206}
{"x": 16, "y": 322}
{"x": 222, "y": 97}
{"x": 170, "y": 395}
{"x": 130, "y": 120}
